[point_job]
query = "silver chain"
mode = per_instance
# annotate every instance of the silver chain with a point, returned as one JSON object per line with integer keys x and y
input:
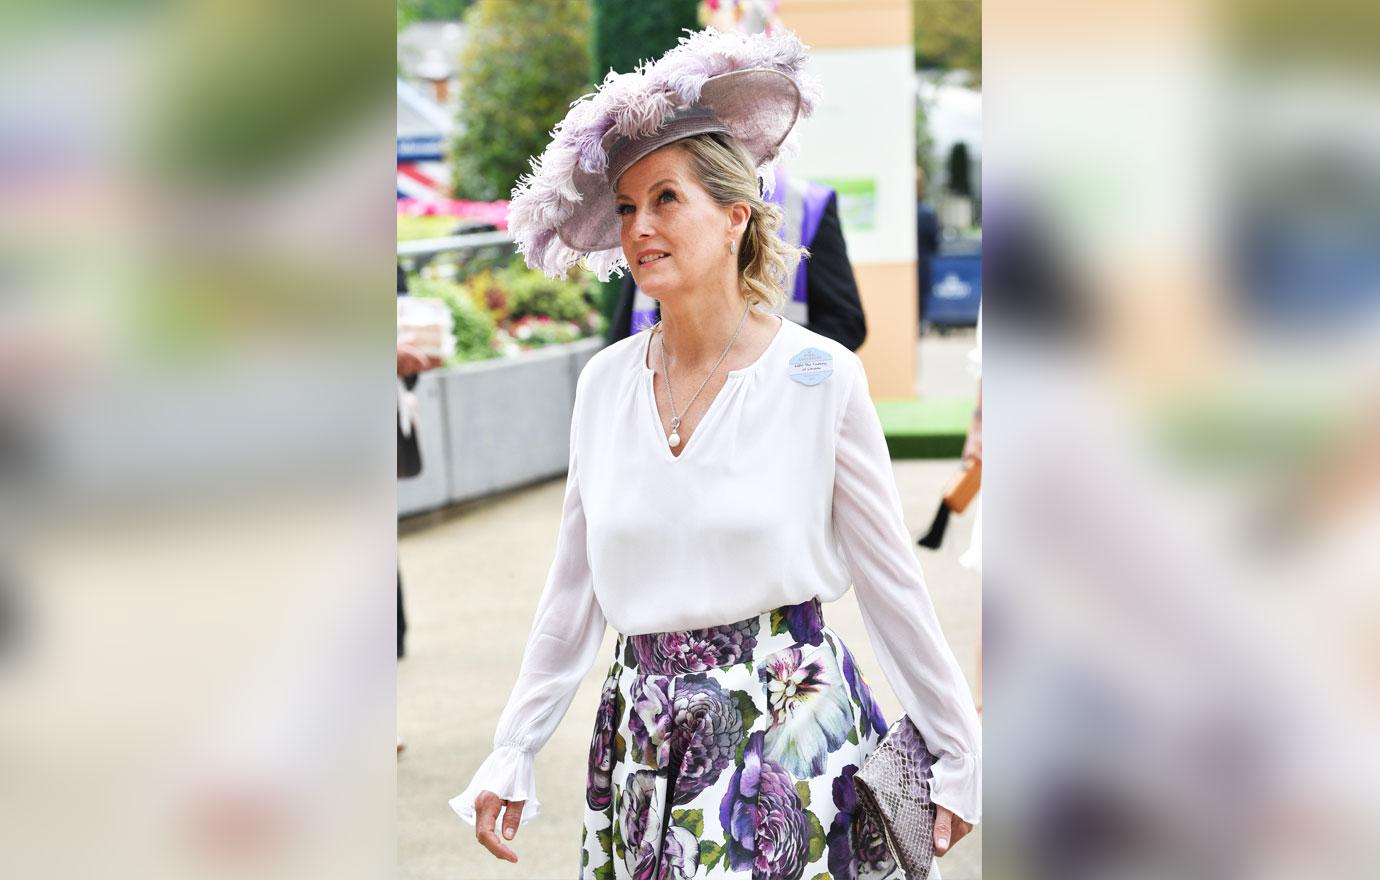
{"x": 674, "y": 439}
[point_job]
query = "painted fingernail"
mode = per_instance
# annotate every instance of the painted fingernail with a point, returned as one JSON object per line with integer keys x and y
{"x": 508, "y": 833}
{"x": 941, "y": 842}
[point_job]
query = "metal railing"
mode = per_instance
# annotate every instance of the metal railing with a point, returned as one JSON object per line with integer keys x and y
{"x": 489, "y": 246}
{"x": 465, "y": 241}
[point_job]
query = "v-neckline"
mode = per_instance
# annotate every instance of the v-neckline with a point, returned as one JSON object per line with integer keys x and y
{"x": 733, "y": 376}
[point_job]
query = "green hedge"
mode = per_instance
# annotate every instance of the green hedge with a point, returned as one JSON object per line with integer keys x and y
{"x": 532, "y": 293}
{"x": 499, "y": 312}
{"x": 628, "y": 33}
{"x": 474, "y": 327}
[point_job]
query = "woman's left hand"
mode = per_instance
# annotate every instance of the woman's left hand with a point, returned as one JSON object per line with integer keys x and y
{"x": 948, "y": 830}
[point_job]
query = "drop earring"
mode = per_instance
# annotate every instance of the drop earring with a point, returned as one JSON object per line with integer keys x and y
{"x": 733, "y": 247}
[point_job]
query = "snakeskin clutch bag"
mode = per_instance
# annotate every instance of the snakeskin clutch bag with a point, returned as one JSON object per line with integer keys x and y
{"x": 894, "y": 788}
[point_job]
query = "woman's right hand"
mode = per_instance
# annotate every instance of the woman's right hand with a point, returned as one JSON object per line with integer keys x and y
{"x": 486, "y": 807}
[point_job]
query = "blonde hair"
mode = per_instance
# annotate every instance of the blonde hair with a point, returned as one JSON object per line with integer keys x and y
{"x": 725, "y": 170}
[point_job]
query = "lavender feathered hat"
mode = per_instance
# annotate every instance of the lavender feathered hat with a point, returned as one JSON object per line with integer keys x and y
{"x": 751, "y": 86}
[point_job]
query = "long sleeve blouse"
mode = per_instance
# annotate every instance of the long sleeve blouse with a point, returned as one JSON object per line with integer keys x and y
{"x": 783, "y": 492}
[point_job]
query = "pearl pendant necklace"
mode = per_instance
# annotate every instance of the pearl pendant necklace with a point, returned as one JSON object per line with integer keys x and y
{"x": 674, "y": 439}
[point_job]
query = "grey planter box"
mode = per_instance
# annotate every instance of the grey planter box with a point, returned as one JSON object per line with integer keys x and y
{"x": 503, "y": 423}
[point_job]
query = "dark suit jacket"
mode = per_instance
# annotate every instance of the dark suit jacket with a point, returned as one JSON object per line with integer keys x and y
{"x": 830, "y": 289}
{"x": 409, "y": 450}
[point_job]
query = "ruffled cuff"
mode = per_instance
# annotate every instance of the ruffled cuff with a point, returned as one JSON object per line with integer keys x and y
{"x": 957, "y": 786}
{"x": 508, "y": 773}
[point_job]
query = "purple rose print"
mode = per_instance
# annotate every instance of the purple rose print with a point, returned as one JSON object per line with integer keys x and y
{"x": 680, "y": 854}
{"x": 768, "y": 832}
{"x": 642, "y": 863}
{"x": 697, "y": 650}
{"x": 599, "y": 790}
{"x": 708, "y": 726}
{"x": 854, "y": 840}
{"x": 640, "y": 823}
{"x": 872, "y": 719}
{"x": 649, "y": 720}
{"x": 811, "y": 714}
{"x": 805, "y": 623}
{"x": 870, "y": 849}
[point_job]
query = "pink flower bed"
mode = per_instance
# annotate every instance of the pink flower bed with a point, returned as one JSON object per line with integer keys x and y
{"x": 485, "y": 212}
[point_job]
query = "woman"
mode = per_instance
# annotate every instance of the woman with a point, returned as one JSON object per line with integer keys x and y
{"x": 728, "y": 475}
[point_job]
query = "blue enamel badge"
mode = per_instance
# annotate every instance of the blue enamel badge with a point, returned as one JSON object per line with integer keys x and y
{"x": 812, "y": 366}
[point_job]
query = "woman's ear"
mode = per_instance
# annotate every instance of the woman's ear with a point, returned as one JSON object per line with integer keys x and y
{"x": 738, "y": 214}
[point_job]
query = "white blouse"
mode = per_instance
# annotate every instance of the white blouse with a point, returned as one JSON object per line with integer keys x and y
{"x": 784, "y": 491}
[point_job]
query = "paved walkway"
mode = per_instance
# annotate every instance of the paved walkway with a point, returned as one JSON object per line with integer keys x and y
{"x": 472, "y": 578}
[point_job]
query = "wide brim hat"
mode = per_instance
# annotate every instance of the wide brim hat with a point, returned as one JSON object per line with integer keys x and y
{"x": 751, "y": 87}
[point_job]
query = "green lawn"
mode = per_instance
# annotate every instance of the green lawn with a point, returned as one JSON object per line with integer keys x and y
{"x": 930, "y": 428}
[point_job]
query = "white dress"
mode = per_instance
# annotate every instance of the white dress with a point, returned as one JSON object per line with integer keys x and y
{"x": 783, "y": 492}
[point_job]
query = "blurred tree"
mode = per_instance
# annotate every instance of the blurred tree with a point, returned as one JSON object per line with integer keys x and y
{"x": 924, "y": 142}
{"x": 522, "y": 65}
{"x": 948, "y": 35}
{"x": 216, "y": 117}
{"x": 431, "y": 10}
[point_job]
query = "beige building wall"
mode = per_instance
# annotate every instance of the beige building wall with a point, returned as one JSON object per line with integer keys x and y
{"x": 848, "y": 24}
{"x": 888, "y": 292}
{"x": 885, "y": 269}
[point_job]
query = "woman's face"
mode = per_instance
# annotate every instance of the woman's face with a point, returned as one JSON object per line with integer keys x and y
{"x": 675, "y": 236}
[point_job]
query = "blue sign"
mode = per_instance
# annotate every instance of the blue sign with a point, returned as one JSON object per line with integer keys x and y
{"x": 420, "y": 148}
{"x": 955, "y": 290}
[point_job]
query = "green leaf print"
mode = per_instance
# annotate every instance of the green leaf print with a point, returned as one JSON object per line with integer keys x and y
{"x": 816, "y": 837}
{"x": 824, "y": 876}
{"x": 853, "y": 735}
{"x": 690, "y": 820}
{"x": 605, "y": 836}
{"x": 604, "y": 871}
{"x": 620, "y": 749}
{"x": 778, "y": 622}
{"x": 710, "y": 852}
{"x": 747, "y": 709}
{"x": 802, "y": 788}
{"x": 629, "y": 658}
{"x": 618, "y": 846}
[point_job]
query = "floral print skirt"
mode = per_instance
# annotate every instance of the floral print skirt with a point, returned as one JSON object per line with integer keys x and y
{"x": 730, "y": 752}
